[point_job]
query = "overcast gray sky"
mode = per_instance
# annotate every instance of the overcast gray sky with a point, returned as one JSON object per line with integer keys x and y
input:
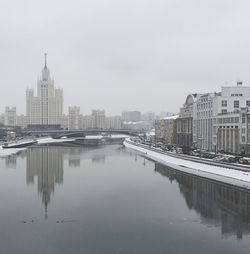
{"x": 123, "y": 54}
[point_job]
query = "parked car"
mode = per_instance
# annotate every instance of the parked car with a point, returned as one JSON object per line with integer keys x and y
{"x": 244, "y": 160}
{"x": 195, "y": 152}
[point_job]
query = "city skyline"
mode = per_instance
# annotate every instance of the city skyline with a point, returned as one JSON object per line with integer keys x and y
{"x": 103, "y": 59}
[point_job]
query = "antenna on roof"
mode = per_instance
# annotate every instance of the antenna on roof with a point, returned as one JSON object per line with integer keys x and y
{"x": 45, "y": 59}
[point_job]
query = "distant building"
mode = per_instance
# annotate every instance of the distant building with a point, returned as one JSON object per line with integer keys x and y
{"x": 47, "y": 107}
{"x": 166, "y": 114}
{"x": 10, "y": 116}
{"x": 131, "y": 116}
{"x": 99, "y": 119}
{"x": 149, "y": 116}
{"x": 21, "y": 121}
{"x": 113, "y": 122}
{"x": 166, "y": 130}
{"x": 73, "y": 118}
{"x": 141, "y": 125}
{"x": 2, "y": 119}
{"x": 86, "y": 122}
{"x": 64, "y": 121}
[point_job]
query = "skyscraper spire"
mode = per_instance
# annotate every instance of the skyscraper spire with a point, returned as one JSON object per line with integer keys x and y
{"x": 45, "y": 58}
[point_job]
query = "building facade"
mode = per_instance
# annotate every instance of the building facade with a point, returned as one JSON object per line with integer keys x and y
{"x": 10, "y": 116}
{"x": 227, "y": 129}
{"x": 185, "y": 122}
{"x": 203, "y": 121}
{"x": 73, "y": 118}
{"x": 131, "y": 116}
{"x": 165, "y": 130}
{"x": 99, "y": 119}
{"x": 113, "y": 122}
{"x": 47, "y": 107}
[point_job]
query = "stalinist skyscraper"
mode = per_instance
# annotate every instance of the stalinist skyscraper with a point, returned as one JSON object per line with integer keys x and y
{"x": 47, "y": 107}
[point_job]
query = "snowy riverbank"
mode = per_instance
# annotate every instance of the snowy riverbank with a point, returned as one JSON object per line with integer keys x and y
{"x": 218, "y": 173}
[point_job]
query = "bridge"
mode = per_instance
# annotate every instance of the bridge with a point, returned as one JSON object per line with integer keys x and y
{"x": 83, "y": 132}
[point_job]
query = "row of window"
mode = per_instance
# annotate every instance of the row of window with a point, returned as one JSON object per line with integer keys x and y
{"x": 204, "y": 114}
{"x": 236, "y": 103}
{"x": 228, "y": 120}
{"x": 204, "y": 105}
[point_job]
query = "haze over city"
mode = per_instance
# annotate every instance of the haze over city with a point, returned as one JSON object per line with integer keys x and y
{"x": 118, "y": 55}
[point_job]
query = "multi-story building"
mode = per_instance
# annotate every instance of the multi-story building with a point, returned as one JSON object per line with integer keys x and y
{"x": 21, "y": 121}
{"x": 227, "y": 129}
{"x": 64, "y": 121}
{"x": 73, "y": 118}
{"x": 244, "y": 130}
{"x": 10, "y": 116}
{"x": 86, "y": 122}
{"x": 185, "y": 122}
{"x": 47, "y": 107}
{"x": 165, "y": 130}
{"x": 203, "y": 121}
{"x": 2, "y": 119}
{"x": 99, "y": 119}
{"x": 113, "y": 122}
{"x": 131, "y": 116}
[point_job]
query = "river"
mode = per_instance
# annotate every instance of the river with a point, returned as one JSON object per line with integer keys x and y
{"x": 111, "y": 200}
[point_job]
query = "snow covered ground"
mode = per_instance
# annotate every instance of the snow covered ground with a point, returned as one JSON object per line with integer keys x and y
{"x": 8, "y": 152}
{"x": 49, "y": 140}
{"x": 222, "y": 174}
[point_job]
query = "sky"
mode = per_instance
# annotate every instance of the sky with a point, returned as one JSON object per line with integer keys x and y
{"x": 117, "y": 55}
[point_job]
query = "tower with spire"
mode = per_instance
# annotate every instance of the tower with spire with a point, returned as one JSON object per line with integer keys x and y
{"x": 47, "y": 107}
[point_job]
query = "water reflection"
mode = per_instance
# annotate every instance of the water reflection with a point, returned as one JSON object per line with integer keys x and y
{"x": 46, "y": 164}
{"x": 218, "y": 204}
{"x": 74, "y": 157}
{"x": 10, "y": 161}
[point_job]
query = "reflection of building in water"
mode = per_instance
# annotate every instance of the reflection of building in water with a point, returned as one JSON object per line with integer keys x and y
{"x": 45, "y": 163}
{"x": 215, "y": 202}
{"x": 74, "y": 157}
{"x": 10, "y": 161}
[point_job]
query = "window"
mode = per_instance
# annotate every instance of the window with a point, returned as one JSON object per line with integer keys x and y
{"x": 243, "y": 139}
{"x": 223, "y": 111}
{"x": 248, "y": 103}
{"x": 243, "y": 118}
{"x": 224, "y": 103}
{"x": 236, "y": 104}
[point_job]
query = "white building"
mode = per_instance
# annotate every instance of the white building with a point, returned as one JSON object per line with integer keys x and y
{"x": 86, "y": 122}
{"x": 131, "y": 116}
{"x": 73, "y": 118}
{"x": 47, "y": 107}
{"x": 216, "y": 118}
{"x": 203, "y": 121}
{"x": 113, "y": 122}
{"x": 10, "y": 116}
{"x": 99, "y": 119}
{"x": 226, "y": 125}
{"x": 21, "y": 121}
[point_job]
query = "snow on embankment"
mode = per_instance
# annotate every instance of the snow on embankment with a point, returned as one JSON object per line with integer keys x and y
{"x": 222, "y": 174}
{"x": 49, "y": 140}
{"x": 8, "y": 152}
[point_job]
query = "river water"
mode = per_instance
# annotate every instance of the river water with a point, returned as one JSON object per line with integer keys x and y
{"x": 111, "y": 200}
